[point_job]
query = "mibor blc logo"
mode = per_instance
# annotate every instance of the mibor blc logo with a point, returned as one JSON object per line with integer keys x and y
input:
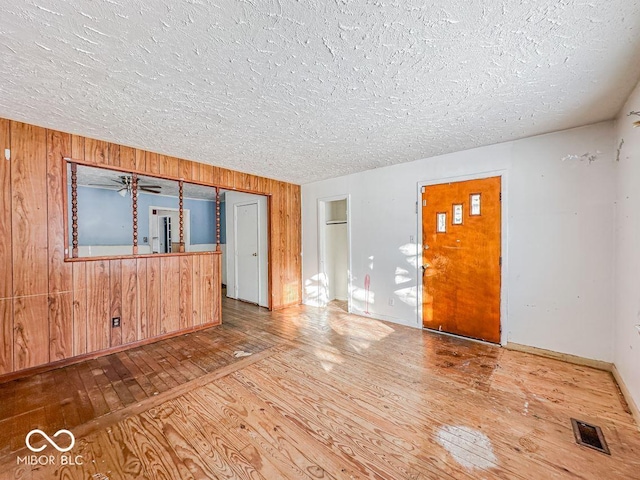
{"x": 59, "y": 459}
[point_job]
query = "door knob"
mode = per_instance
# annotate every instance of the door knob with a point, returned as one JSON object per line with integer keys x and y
{"x": 254, "y": 254}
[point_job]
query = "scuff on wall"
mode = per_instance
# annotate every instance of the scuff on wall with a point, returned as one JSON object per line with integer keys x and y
{"x": 588, "y": 156}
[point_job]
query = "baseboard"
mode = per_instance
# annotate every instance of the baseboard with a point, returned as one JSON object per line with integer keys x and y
{"x": 565, "y": 357}
{"x": 635, "y": 412}
{"x": 7, "y": 377}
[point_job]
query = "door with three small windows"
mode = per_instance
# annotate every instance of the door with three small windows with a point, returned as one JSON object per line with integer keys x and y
{"x": 461, "y": 258}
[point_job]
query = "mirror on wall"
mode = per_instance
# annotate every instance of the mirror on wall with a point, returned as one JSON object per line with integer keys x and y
{"x": 111, "y": 208}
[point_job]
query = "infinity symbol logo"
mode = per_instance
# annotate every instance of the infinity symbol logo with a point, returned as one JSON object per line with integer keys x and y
{"x": 50, "y": 440}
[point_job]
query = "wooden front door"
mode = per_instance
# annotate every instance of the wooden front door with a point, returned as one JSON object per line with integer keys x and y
{"x": 461, "y": 258}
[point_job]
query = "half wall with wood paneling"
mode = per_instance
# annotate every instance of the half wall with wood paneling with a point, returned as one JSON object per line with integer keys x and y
{"x": 54, "y": 310}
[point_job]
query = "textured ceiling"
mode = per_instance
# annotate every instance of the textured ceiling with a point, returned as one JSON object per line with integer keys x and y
{"x": 313, "y": 89}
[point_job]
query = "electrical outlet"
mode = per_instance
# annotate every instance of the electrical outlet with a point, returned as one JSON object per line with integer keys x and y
{"x": 391, "y": 301}
{"x": 115, "y": 322}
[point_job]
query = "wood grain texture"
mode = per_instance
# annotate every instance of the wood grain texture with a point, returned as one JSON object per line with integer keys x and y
{"x": 196, "y": 281}
{"x": 96, "y": 151}
{"x": 186, "y": 291}
{"x": 29, "y": 245}
{"x": 6, "y": 258}
{"x": 98, "y": 306}
{"x": 115, "y": 301}
{"x": 141, "y": 287}
{"x": 31, "y": 331}
{"x": 129, "y": 303}
{"x": 128, "y": 158}
{"x": 169, "y": 294}
{"x": 80, "y": 305}
{"x": 29, "y": 207}
{"x": 324, "y": 395}
{"x": 207, "y": 287}
{"x": 60, "y": 272}
{"x": 461, "y": 281}
{"x": 73, "y": 315}
{"x": 153, "y": 297}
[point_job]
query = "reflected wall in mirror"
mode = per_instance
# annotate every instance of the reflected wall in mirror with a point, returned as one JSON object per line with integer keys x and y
{"x": 119, "y": 213}
{"x": 104, "y": 211}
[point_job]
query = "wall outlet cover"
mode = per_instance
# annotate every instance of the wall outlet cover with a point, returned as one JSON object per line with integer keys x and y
{"x": 115, "y": 322}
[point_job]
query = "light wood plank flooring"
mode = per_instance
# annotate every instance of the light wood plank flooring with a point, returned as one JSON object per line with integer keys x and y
{"x": 324, "y": 394}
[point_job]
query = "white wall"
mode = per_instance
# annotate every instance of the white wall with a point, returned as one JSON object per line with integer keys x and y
{"x": 557, "y": 261}
{"x": 232, "y": 199}
{"x": 627, "y": 285}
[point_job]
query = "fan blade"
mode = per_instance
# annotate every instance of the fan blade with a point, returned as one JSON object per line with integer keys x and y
{"x": 119, "y": 182}
{"x": 148, "y": 190}
{"x": 149, "y": 186}
{"x": 100, "y": 185}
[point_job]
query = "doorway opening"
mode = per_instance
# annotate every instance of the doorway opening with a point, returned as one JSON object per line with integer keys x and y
{"x": 164, "y": 229}
{"x": 334, "y": 255}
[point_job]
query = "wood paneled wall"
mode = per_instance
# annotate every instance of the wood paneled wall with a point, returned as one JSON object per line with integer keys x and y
{"x": 53, "y": 310}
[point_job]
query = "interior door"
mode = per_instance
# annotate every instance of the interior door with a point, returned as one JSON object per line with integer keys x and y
{"x": 461, "y": 258}
{"x": 247, "y": 260}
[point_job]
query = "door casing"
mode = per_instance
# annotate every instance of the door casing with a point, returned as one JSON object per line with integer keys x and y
{"x": 503, "y": 174}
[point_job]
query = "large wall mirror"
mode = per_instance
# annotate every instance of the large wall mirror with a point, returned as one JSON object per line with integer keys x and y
{"x": 115, "y": 213}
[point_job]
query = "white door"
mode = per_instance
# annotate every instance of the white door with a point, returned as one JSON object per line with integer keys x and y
{"x": 247, "y": 260}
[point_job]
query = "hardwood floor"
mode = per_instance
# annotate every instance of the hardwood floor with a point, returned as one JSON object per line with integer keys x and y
{"x": 324, "y": 394}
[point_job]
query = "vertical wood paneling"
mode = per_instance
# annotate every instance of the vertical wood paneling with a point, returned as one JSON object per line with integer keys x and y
{"x": 206, "y": 173}
{"x": 31, "y": 343}
{"x": 216, "y": 290}
{"x": 114, "y": 155}
{"x": 185, "y": 171}
{"x": 207, "y": 287}
{"x": 29, "y": 244}
{"x": 6, "y": 260}
{"x": 98, "y": 321}
{"x": 170, "y": 294}
{"x": 195, "y": 171}
{"x": 169, "y": 166}
{"x": 186, "y": 292}
{"x": 79, "y": 308}
{"x": 127, "y": 157}
{"x": 141, "y": 286}
{"x": 6, "y": 335}
{"x": 141, "y": 160}
{"x": 52, "y": 309}
{"x": 115, "y": 292}
{"x": 153, "y": 297}
{"x": 197, "y": 291}
{"x": 152, "y": 163}
{"x": 96, "y": 151}
{"x": 129, "y": 301}
{"x": 60, "y": 273}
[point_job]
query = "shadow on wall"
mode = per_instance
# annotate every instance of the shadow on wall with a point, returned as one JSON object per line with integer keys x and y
{"x": 408, "y": 294}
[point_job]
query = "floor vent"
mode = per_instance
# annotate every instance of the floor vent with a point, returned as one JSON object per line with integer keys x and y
{"x": 589, "y": 435}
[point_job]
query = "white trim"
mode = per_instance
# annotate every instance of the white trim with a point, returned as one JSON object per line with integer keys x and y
{"x": 187, "y": 225}
{"x": 504, "y": 248}
{"x": 321, "y": 209}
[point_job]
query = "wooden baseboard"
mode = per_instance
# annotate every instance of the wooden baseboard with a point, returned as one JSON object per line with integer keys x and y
{"x": 565, "y": 357}
{"x": 627, "y": 395}
{"x": 89, "y": 356}
{"x": 586, "y": 362}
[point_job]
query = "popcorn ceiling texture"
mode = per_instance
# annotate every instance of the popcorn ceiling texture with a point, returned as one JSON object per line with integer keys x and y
{"x": 301, "y": 91}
